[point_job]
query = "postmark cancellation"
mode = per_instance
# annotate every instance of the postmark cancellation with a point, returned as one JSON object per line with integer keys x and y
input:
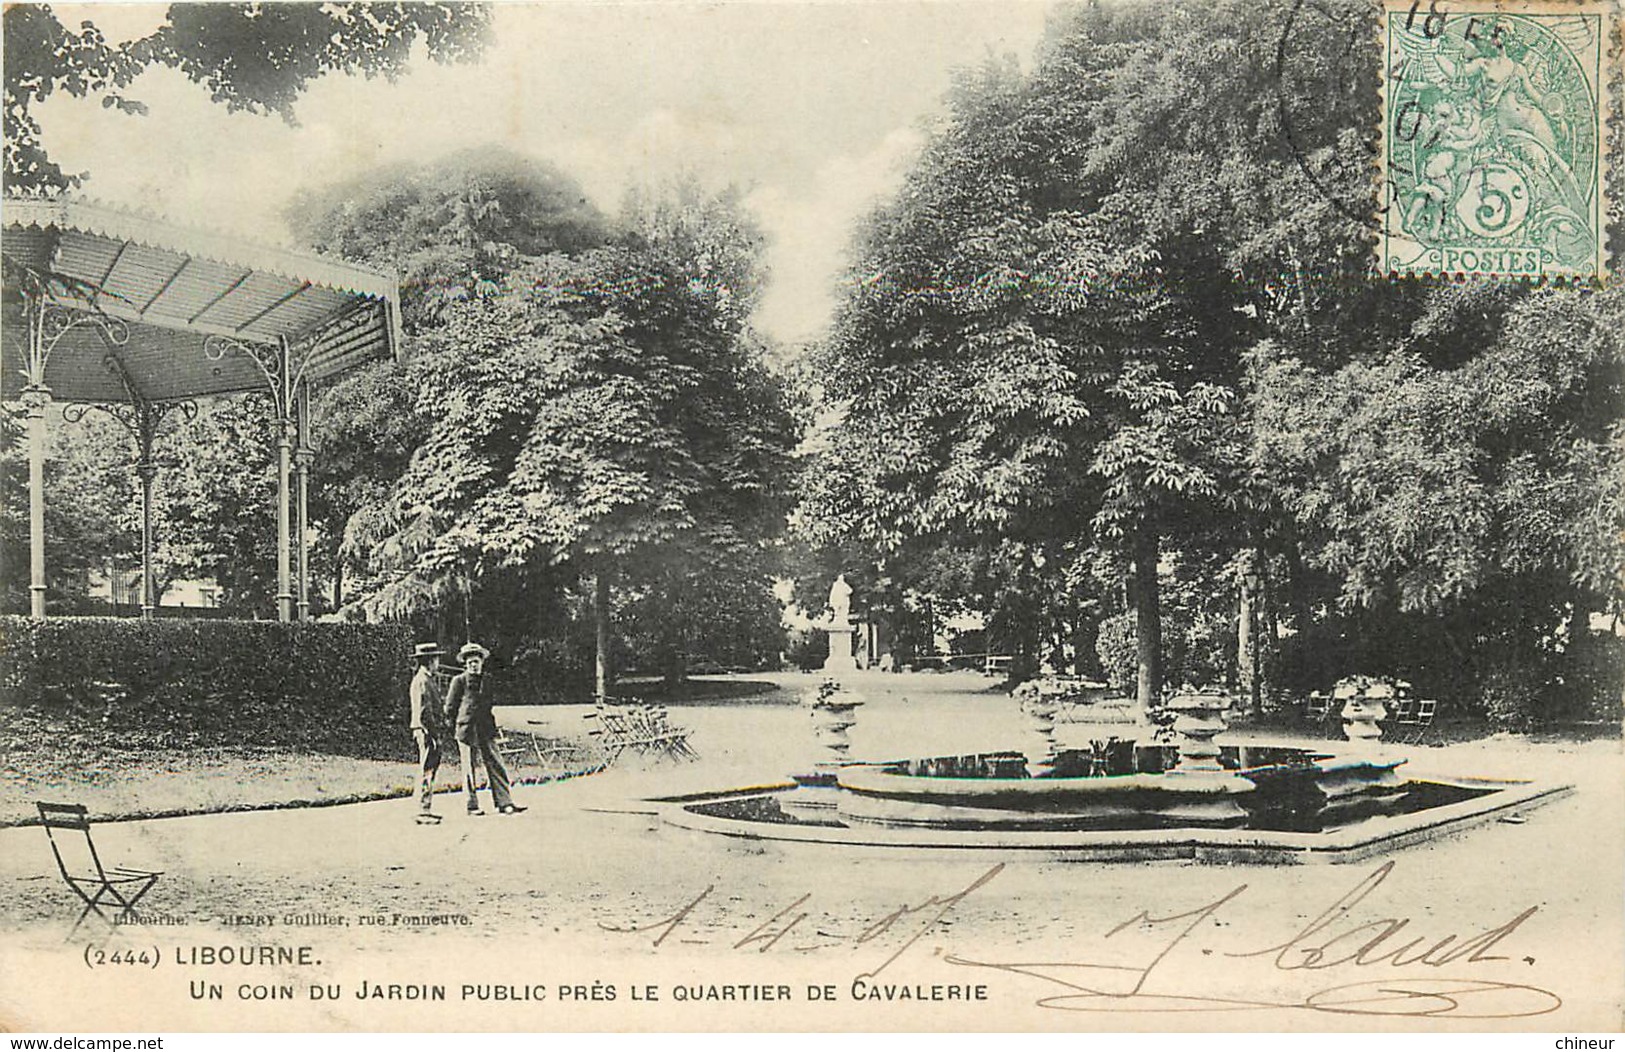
{"x": 1494, "y": 145}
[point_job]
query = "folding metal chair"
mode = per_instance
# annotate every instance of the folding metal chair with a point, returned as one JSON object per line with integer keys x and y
{"x": 1416, "y": 728}
{"x": 1400, "y": 719}
{"x": 515, "y": 749}
{"x": 610, "y": 734}
{"x": 1322, "y": 709}
{"x": 556, "y": 756}
{"x": 671, "y": 741}
{"x": 641, "y": 728}
{"x": 99, "y": 886}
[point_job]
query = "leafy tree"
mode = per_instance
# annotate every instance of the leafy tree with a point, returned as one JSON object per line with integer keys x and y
{"x": 365, "y": 428}
{"x": 1042, "y": 346}
{"x": 1469, "y": 506}
{"x": 608, "y": 411}
{"x": 257, "y": 58}
{"x": 452, "y": 229}
{"x": 712, "y": 601}
{"x": 215, "y": 501}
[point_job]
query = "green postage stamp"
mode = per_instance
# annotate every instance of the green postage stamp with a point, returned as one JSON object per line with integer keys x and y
{"x": 1494, "y": 137}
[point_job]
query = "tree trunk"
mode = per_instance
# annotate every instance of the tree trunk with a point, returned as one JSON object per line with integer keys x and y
{"x": 600, "y": 634}
{"x": 1247, "y": 638}
{"x": 1297, "y": 588}
{"x": 1246, "y": 673}
{"x": 1147, "y": 617}
{"x": 676, "y": 673}
{"x": 1267, "y": 637}
{"x": 338, "y": 583}
{"x": 1580, "y": 657}
{"x": 1085, "y": 634}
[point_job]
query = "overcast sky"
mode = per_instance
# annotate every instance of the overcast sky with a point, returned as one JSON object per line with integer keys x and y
{"x": 814, "y": 108}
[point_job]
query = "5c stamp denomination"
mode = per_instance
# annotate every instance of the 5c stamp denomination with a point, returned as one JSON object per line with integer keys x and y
{"x": 1494, "y": 145}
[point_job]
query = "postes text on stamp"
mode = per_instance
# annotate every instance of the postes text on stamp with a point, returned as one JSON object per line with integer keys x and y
{"x": 1493, "y": 147}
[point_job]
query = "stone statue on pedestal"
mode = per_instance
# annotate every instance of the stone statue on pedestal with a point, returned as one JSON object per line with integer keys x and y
{"x": 839, "y": 628}
{"x": 840, "y": 600}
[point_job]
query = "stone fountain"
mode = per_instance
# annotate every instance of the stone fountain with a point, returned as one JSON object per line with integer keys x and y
{"x": 1193, "y": 797}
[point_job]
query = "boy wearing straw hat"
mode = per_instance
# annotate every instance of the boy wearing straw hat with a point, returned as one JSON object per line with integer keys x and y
{"x": 468, "y": 709}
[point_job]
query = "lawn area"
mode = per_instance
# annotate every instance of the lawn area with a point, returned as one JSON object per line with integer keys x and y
{"x": 156, "y": 782}
{"x": 116, "y": 779}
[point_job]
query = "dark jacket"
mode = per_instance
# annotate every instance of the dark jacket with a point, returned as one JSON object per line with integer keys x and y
{"x": 468, "y": 710}
{"x": 427, "y": 702}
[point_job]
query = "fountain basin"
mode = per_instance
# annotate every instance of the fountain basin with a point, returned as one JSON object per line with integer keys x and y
{"x": 888, "y": 795}
{"x": 1116, "y": 785}
{"x": 1124, "y": 804}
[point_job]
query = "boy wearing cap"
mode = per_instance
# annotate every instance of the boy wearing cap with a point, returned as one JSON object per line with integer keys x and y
{"x": 469, "y": 710}
{"x": 426, "y": 702}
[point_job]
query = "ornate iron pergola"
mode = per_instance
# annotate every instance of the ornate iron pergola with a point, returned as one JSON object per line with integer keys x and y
{"x": 138, "y": 318}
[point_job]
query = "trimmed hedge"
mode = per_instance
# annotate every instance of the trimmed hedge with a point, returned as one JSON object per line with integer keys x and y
{"x": 334, "y": 687}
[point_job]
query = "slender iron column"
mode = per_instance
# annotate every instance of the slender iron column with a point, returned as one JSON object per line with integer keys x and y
{"x": 284, "y": 376}
{"x": 302, "y": 461}
{"x": 141, "y": 419}
{"x": 48, "y": 323}
{"x": 284, "y": 584}
{"x": 146, "y": 470}
{"x": 35, "y": 398}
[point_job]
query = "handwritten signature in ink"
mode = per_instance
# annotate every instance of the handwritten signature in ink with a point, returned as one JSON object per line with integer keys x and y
{"x": 1330, "y": 940}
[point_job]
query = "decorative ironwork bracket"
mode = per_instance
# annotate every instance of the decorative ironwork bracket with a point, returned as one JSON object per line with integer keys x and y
{"x": 140, "y": 416}
{"x": 283, "y": 376}
{"x": 51, "y": 322}
{"x": 141, "y": 419}
{"x": 48, "y": 323}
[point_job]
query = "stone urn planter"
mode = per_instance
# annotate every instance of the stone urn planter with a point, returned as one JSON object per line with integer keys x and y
{"x": 833, "y": 710}
{"x": 1365, "y": 701}
{"x": 1207, "y": 792}
{"x": 1199, "y": 718}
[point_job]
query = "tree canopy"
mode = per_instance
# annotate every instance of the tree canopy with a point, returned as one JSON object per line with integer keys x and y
{"x": 1121, "y": 316}
{"x": 453, "y": 228}
{"x": 257, "y": 58}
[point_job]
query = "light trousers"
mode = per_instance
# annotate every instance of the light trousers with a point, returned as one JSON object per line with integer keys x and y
{"x": 428, "y": 767}
{"x": 496, "y": 774}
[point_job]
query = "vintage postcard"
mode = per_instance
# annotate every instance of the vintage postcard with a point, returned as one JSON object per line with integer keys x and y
{"x": 796, "y": 516}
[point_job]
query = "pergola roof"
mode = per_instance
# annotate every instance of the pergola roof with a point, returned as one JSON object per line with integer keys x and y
{"x": 174, "y": 288}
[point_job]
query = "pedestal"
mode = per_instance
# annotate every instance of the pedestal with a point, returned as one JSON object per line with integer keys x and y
{"x": 834, "y": 712}
{"x": 830, "y": 726}
{"x": 1198, "y": 719}
{"x": 1364, "y": 702}
{"x": 840, "y": 648}
{"x": 1041, "y": 713}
